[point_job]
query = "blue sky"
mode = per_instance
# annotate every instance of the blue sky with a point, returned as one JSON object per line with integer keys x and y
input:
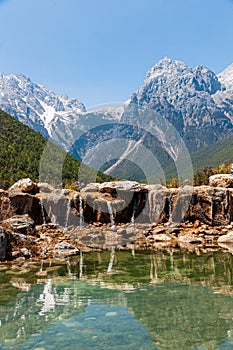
{"x": 100, "y": 50}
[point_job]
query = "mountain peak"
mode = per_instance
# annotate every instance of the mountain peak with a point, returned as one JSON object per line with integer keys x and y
{"x": 165, "y": 66}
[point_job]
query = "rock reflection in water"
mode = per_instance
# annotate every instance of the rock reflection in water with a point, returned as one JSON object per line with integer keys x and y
{"x": 151, "y": 300}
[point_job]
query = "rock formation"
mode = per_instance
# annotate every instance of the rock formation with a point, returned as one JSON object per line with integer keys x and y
{"x": 37, "y": 220}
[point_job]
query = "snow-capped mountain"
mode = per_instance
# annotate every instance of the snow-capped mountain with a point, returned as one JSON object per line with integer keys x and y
{"x": 196, "y": 101}
{"x": 191, "y": 99}
{"x": 60, "y": 118}
{"x": 34, "y": 105}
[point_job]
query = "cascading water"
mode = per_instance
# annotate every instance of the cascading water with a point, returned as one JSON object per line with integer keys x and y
{"x": 68, "y": 209}
{"x": 42, "y": 211}
{"x": 211, "y": 210}
{"x": 170, "y": 209}
{"x": 135, "y": 205}
{"x": 53, "y": 219}
{"x": 152, "y": 207}
{"x": 110, "y": 211}
{"x": 156, "y": 205}
{"x": 81, "y": 212}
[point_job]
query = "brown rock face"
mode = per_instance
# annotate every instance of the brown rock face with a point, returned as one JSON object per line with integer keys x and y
{"x": 18, "y": 203}
{"x": 24, "y": 203}
{"x": 122, "y": 202}
{"x": 4, "y": 244}
{"x": 6, "y": 211}
{"x": 221, "y": 180}
{"x": 25, "y": 186}
{"x": 20, "y": 223}
{"x": 213, "y": 206}
{"x": 114, "y": 202}
{"x": 148, "y": 204}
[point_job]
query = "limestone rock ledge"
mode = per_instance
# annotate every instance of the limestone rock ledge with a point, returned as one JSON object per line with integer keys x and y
{"x": 221, "y": 180}
{"x": 37, "y": 219}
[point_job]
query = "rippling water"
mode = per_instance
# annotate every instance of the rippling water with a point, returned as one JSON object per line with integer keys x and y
{"x": 118, "y": 300}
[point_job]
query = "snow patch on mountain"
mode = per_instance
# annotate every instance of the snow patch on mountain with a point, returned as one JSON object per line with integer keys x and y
{"x": 226, "y": 78}
{"x": 34, "y": 105}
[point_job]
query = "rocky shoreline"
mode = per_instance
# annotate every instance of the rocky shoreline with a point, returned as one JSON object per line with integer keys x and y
{"x": 38, "y": 221}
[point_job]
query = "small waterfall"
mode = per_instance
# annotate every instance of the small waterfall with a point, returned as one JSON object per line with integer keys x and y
{"x": 135, "y": 206}
{"x": 81, "y": 264}
{"x": 81, "y": 212}
{"x": 68, "y": 209}
{"x": 112, "y": 257}
{"x": 152, "y": 207}
{"x": 53, "y": 219}
{"x": 211, "y": 210}
{"x": 42, "y": 211}
{"x": 110, "y": 211}
{"x": 170, "y": 209}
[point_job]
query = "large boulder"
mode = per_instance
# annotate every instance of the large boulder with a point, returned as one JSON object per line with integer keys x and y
{"x": 19, "y": 203}
{"x": 25, "y": 203}
{"x": 45, "y": 187}
{"x": 115, "y": 186}
{"x": 58, "y": 207}
{"x": 24, "y": 185}
{"x": 178, "y": 203}
{"x": 20, "y": 223}
{"x": 99, "y": 208}
{"x": 212, "y": 206}
{"x": 226, "y": 238}
{"x": 65, "y": 249}
{"x": 221, "y": 180}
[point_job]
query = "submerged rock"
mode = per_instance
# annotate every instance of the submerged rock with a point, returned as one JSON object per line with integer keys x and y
{"x": 65, "y": 248}
{"x": 189, "y": 238}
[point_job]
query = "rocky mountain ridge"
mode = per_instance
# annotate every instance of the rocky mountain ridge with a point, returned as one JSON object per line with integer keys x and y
{"x": 196, "y": 101}
{"x": 192, "y": 99}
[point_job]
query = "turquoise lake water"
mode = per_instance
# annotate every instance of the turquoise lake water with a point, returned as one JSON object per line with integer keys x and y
{"x": 118, "y": 300}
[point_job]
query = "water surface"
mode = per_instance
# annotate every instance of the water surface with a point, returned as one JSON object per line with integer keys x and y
{"x": 118, "y": 300}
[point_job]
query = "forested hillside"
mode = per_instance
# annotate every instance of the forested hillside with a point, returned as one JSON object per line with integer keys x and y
{"x": 20, "y": 154}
